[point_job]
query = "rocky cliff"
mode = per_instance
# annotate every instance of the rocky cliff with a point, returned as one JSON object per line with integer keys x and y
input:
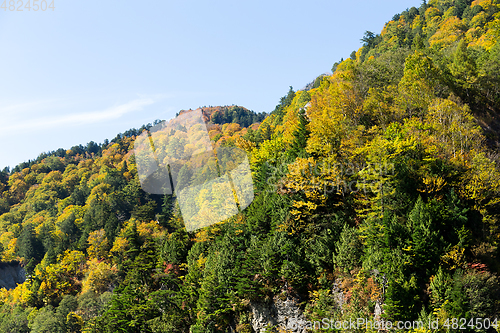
{"x": 11, "y": 274}
{"x": 281, "y": 313}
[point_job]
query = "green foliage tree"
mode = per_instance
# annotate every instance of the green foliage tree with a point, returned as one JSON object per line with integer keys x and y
{"x": 14, "y": 319}
{"x": 284, "y": 102}
{"x": 30, "y": 247}
{"x": 47, "y": 321}
{"x": 348, "y": 250}
{"x": 301, "y": 135}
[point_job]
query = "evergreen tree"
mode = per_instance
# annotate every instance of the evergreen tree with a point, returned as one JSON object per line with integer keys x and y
{"x": 301, "y": 134}
{"x": 284, "y": 102}
{"x": 30, "y": 247}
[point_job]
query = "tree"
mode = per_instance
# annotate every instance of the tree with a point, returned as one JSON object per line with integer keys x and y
{"x": 92, "y": 148}
{"x": 98, "y": 244}
{"x": 424, "y": 241}
{"x": 464, "y": 69}
{"x": 46, "y": 321}
{"x": 284, "y": 102}
{"x": 348, "y": 250}
{"x": 416, "y": 88}
{"x": 402, "y": 301}
{"x": 130, "y": 309}
{"x": 368, "y": 39}
{"x": 14, "y": 319}
{"x": 30, "y": 247}
{"x": 300, "y": 135}
{"x": 183, "y": 178}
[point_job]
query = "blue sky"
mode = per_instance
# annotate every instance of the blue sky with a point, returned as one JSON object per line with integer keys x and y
{"x": 91, "y": 69}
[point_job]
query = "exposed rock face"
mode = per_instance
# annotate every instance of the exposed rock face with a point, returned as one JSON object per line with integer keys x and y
{"x": 280, "y": 313}
{"x": 378, "y": 311}
{"x": 11, "y": 274}
{"x": 338, "y": 294}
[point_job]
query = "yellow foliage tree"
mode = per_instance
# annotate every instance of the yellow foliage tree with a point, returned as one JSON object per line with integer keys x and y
{"x": 334, "y": 111}
{"x": 98, "y": 244}
{"x": 100, "y": 276}
{"x": 450, "y": 30}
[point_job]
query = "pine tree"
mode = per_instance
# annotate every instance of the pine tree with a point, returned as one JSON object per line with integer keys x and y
{"x": 301, "y": 135}
{"x": 29, "y": 247}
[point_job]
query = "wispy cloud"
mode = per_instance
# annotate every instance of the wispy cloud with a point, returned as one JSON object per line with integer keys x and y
{"x": 16, "y": 124}
{"x": 27, "y": 107}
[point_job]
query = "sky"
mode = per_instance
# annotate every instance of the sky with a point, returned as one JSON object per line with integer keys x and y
{"x": 87, "y": 70}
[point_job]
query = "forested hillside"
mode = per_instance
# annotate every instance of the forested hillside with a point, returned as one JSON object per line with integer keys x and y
{"x": 379, "y": 183}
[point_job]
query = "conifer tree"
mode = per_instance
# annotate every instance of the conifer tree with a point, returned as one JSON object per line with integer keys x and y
{"x": 301, "y": 135}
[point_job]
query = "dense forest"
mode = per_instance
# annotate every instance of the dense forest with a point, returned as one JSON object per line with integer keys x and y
{"x": 377, "y": 195}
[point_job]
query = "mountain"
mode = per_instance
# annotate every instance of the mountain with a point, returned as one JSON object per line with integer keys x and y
{"x": 376, "y": 196}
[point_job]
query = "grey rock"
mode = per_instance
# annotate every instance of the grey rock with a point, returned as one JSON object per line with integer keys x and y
{"x": 11, "y": 274}
{"x": 278, "y": 313}
{"x": 378, "y": 311}
{"x": 338, "y": 294}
